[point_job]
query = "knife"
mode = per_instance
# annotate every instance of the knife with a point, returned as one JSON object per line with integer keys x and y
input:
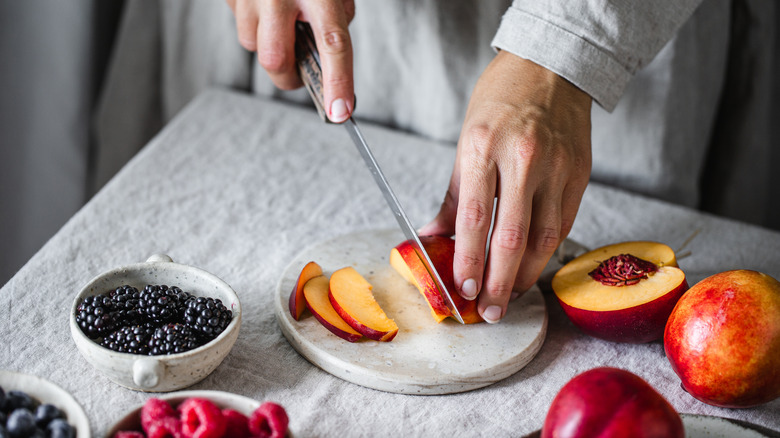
{"x": 311, "y": 74}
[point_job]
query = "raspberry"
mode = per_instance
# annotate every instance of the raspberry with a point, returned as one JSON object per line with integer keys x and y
{"x": 129, "y": 434}
{"x": 236, "y": 424}
{"x": 201, "y": 418}
{"x": 268, "y": 421}
{"x": 153, "y": 411}
{"x": 168, "y": 427}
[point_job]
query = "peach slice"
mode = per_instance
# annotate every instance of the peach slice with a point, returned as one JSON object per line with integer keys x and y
{"x": 351, "y": 297}
{"x": 316, "y": 293}
{"x": 297, "y": 302}
{"x": 623, "y": 292}
{"x": 405, "y": 260}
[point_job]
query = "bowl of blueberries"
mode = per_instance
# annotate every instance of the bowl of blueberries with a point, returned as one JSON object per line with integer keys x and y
{"x": 31, "y": 406}
{"x": 155, "y": 326}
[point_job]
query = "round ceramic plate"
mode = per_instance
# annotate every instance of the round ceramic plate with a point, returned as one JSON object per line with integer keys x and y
{"x": 705, "y": 426}
{"x": 225, "y": 400}
{"x": 47, "y": 392}
{"x": 424, "y": 357}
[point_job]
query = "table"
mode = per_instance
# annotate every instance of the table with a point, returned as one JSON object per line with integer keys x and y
{"x": 238, "y": 185}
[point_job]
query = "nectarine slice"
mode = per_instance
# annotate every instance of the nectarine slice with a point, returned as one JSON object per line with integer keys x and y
{"x": 405, "y": 259}
{"x": 316, "y": 293}
{"x": 623, "y": 292}
{"x": 297, "y": 302}
{"x": 351, "y": 297}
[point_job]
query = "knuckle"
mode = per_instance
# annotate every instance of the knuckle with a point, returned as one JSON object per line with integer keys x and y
{"x": 498, "y": 288}
{"x": 510, "y": 238}
{"x": 336, "y": 41}
{"x": 274, "y": 61}
{"x": 475, "y": 214}
{"x": 468, "y": 260}
{"x": 546, "y": 239}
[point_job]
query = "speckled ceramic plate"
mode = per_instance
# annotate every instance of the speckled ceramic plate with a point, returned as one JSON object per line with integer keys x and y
{"x": 47, "y": 392}
{"x": 424, "y": 357}
{"x": 705, "y": 426}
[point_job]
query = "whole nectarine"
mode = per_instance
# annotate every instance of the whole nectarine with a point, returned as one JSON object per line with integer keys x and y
{"x": 611, "y": 402}
{"x": 723, "y": 339}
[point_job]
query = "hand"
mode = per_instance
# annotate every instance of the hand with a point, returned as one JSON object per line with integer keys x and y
{"x": 268, "y": 27}
{"x": 525, "y": 141}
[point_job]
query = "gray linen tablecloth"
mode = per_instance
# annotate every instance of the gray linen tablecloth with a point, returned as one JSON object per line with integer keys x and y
{"x": 238, "y": 186}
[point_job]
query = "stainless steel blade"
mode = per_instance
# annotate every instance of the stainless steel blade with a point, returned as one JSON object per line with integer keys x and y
{"x": 310, "y": 71}
{"x": 398, "y": 212}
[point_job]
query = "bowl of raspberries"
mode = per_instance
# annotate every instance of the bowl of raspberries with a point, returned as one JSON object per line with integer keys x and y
{"x": 203, "y": 414}
{"x": 155, "y": 326}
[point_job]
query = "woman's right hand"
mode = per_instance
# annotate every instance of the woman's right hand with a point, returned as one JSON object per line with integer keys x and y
{"x": 268, "y": 27}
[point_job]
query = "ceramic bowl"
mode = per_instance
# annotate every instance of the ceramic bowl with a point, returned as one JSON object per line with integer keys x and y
{"x": 225, "y": 400}
{"x": 47, "y": 392}
{"x": 162, "y": 373}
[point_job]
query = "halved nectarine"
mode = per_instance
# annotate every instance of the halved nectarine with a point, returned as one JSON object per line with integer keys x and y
{"x": 351, "y": 297}
{"x": 297, "y": 302}
{"x": 407, "y": 262}
{"x": 317, "y": 301}
{"x": 623, "y": 292}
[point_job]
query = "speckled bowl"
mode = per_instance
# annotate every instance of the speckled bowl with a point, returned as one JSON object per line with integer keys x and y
{"x": 159, "y": 373}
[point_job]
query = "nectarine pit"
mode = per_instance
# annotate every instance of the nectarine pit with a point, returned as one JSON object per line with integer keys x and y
{"x": 622, "y": 270}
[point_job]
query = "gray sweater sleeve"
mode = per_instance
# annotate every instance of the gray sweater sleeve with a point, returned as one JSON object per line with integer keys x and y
{"x": 598, "y": 45}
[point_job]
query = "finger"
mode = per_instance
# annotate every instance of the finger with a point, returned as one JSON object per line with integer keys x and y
{"x": 543, "y": 238}
{"x": 276, "y": 43}
{"x": 246, "y": 22}
{"x": 507, "y": 244}
{"x": 330, "y": 26}
{"x": 472, "y": 222}
{"x": 444, "y": 222}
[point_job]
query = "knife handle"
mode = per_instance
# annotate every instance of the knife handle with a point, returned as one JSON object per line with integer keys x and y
{"x": 308, "y": 60}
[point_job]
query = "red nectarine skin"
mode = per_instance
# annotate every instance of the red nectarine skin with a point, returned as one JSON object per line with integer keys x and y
{"x": 638, "y": 324}
{"x": 441, "y": 250}
{"x": 611, "y": 402}
{"x": 297, "y": 302}
{"x": 723, "y": 339}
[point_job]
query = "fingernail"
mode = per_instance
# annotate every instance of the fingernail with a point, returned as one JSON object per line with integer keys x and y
{"x": 492, "y": 314}
{"x": 338, "y": 111}
{"x": 469, "y": 289}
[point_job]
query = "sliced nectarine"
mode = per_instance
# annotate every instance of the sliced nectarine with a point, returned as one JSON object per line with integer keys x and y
{"x": 316, "y": 293}
{"x": 623, "y": 292}
{"x": 297, "y": 302}
{"x": 407, "y": 262}
{"x": 351, "y": 297}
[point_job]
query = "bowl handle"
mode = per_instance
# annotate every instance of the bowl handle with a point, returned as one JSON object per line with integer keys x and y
{"x": 147, "y": 373}
{"x": 156, "y": 258}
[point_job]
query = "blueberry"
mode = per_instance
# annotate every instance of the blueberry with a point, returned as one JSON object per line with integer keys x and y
{"x": 3, "y": 432}
{"x": 46, "y": 413}
{"x": 21, "y": 423}
{"x": 2, "y": 400}
{"x": 59, "y": 428}
{"x": 18, "y": 400}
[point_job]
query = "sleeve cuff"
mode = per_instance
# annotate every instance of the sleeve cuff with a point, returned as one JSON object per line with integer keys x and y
{"x": 572, "y": 57}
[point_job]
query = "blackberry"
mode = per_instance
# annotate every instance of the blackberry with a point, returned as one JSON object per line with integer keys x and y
{"x": 95, "y": 317}
{"x": 208, "y": 316}
{"x": 173, "y": 338}
{"x": 132, "y": 339}
{"x": 160, "y": 303}
{"x": 125, "y": 301}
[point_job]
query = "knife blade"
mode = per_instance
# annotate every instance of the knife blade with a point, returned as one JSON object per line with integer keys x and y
{"x": 311, "y": 75}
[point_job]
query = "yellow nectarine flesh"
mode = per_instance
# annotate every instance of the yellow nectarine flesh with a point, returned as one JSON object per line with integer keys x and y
{"x": 351, "y": 296}
{"x": 398, "y": 263}
{"x": 297, "y": 301}
{"x": 574, "y": 286}
{"x": 316, "y": 293}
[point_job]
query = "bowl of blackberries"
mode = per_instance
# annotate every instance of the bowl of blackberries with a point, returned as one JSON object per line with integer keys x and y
{"x": 155, "y": 326}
